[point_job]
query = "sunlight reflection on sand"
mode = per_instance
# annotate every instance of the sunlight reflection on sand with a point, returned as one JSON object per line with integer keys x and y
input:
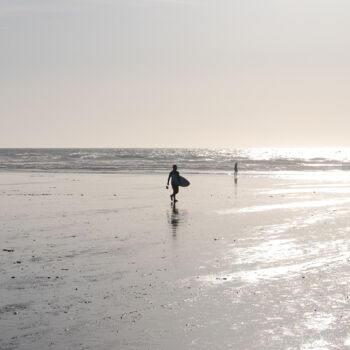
{"x": 293, "y": 205}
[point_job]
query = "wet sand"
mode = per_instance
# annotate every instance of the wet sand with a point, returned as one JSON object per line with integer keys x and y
{"x": 101, "y": 261}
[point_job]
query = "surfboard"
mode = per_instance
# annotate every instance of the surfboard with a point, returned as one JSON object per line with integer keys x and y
{"x": 183, "y": 182}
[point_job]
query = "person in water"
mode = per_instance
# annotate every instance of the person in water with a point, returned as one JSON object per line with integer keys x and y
{"x": 174, "y": 175}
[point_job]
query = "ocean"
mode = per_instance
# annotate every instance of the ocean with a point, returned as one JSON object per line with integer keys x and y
{"x": 190, "y": 160}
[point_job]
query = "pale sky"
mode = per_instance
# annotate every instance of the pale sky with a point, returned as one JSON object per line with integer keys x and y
{"x": 174, "y": 73}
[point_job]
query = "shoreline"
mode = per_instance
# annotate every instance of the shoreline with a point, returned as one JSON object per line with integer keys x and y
{"x": 183, "y": 171}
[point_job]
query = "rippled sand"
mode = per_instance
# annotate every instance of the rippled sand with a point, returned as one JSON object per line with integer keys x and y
{"x": 101, "y": 261}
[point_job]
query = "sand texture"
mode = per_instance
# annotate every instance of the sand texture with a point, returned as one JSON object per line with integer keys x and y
{"x": 103, "y": 261}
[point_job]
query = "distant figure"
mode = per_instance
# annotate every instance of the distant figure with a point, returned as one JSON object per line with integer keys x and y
{"x": 175, "y": 181}
{"x": 236, "y": 173}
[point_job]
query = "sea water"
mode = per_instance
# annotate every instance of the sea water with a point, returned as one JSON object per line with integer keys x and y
{"x": 190, "y": 160}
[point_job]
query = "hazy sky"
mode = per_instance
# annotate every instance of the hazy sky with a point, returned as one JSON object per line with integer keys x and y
{"x": 174, "y": 73}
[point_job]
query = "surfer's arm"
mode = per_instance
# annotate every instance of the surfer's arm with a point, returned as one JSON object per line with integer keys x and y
{"x": 168, "y": 179}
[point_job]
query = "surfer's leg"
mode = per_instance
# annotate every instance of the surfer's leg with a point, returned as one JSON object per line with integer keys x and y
{"x": 176, "y": 191}
{"x": 172, "y": 197}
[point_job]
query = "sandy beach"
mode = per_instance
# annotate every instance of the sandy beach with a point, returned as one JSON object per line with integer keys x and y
{"x": 103, "y": 261}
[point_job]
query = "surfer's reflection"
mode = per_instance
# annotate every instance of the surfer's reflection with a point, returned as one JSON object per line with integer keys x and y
{"x": 236, "y": 183}
{"x": 175, "y": 218}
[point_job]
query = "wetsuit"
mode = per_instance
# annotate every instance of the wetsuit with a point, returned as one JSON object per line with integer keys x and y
{"x": 174, "y": 175}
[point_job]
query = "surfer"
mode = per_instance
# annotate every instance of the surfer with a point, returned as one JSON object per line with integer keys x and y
{"x": 236, "y": 173}
{"x": 174, "y": 175}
